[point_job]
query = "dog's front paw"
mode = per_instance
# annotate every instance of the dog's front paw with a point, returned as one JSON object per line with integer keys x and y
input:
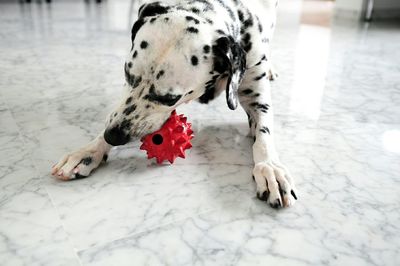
{"x": 274, "y": 184}
{"x": 80, "y": 163}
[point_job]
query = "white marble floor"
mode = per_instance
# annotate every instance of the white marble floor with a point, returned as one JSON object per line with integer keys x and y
{"x": 337, "y": 105}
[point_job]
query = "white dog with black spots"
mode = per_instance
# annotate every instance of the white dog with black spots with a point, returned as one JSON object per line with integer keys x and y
{"x": 183, "y": 50}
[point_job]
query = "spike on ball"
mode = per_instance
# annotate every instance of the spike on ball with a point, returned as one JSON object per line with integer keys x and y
{"x": 170, "y": 141}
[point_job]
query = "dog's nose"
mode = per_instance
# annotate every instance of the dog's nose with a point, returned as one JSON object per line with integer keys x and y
{"x": 116, "y": 136}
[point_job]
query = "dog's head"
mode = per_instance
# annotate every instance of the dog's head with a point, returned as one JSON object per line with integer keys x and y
{"x": 173, "y": 56}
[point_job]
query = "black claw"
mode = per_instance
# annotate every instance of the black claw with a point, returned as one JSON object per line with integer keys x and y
{"x": 264, "y": 196}
{"x": 277, "y": 204}
{"x": 105, "y": 157}
{"x": 78, "y": 176}
{"x": 293, "y": 194}
{"x": 254, "y": 178}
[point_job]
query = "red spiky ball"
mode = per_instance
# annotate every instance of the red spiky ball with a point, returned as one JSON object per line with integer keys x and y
{"x": 170, "y": 141}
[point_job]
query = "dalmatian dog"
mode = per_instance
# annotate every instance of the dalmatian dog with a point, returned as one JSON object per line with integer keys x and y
{"x": 185, "y": 50}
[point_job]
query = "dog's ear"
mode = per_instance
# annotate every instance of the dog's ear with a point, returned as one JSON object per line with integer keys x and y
{"x": 147, "y": 10}
{"x": 230, "y": 62}
{"x": 152, "y": 9}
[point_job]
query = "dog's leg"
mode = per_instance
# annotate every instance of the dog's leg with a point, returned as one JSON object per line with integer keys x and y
{"x": 81, "y": 162}
{"x": 274, "y": 183}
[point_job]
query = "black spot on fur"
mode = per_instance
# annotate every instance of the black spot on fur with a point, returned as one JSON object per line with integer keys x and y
{"x": 246, "y": 43}
{"x": 137, "y": 116}
{"x": 134, "y": 54}
{"x": 166, "y": 19}
{"x": 260, "y": 28}
{"x": 160, "y": 74}
{"x": 194, "y": 60}
{"x": 246, "y": 38}
{"x": 190, "y": 92}
{"x": 206, "y": 49}
{"x": 137, "y": 82}
{"x": 262, "y": 107}
{"x": 147, "y": 106}
{"x": 190, "y": 18}
{"x": 128, "y": 101}
{"x": 262, "y": 59}
{"x": 241, "y": 16}
{"x": 208, "y": 95}
{"x": 167, "y": 99}
{"x": 195, "y": 10}
{"x": 126, "y": 125}
{"x": 130, "y": 64}
{"x": 192, "y": 30}
{"x": 247, "y": 91}
{"x": 221, "y": 32}
{"x": 265, "y": 130}
{"x": 144, "y": 44}
{"x": 87, "y": 160}
{"x": 136, "y": 27}
{"x": 105, "y": 157}
{"x": 209, "y": 92}
{"x": 248, "y": 23}
{"x": 132, "y": 79}
{"x": 152, "y": 9}
{"x": 260, "y": 76}
{"x": 129, "y": 109}
{"x": 209, "y": 21}
{"x": 152, "y": 20}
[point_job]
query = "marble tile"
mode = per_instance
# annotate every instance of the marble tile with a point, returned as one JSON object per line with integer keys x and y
{"x": 209, "y": 180}
{"x": 346, "y": 213}
{"x": 249, "y": 233}
{"x": 31, "y": 231}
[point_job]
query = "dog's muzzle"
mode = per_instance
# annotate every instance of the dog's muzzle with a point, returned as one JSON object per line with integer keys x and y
{"x": 116, "y": 136}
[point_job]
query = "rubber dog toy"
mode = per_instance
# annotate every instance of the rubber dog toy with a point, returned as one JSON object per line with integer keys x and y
{"x": 170, "y": 141}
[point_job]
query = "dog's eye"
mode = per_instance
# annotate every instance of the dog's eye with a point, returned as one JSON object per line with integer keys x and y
{"x": 166, "y": 99}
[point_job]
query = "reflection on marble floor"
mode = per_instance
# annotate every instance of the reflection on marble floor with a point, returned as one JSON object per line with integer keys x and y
{"x": 338, "y": 129}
